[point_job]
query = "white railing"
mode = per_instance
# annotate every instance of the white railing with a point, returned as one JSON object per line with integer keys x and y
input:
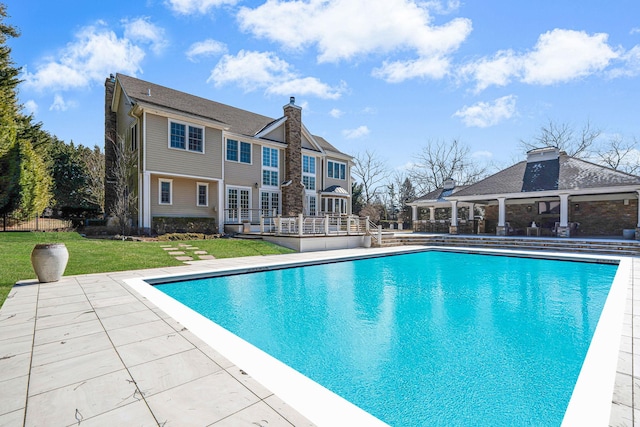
{"x": 315, "y": 225}
{"x": 238, "y": 216}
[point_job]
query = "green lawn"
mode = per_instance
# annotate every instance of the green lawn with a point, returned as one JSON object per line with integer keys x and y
{"x": 99, "y": 256}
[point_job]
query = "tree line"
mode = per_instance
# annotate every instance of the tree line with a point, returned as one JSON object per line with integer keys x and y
{"x": 37, "y": 170}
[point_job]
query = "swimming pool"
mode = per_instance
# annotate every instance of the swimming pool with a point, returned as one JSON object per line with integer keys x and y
{"x": 373, "y": 334}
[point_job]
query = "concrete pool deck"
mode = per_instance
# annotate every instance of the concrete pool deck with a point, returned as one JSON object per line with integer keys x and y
{"x": 90, "y": 350}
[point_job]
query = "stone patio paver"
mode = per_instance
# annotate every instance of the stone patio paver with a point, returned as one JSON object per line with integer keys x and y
{"x": 113, "y": 358}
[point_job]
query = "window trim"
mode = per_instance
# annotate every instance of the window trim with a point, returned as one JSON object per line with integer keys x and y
{"x": 339, "y": 169}
{"x": 271, "y": 169}
{"x": 309, "y": 175}
{"x": 186, "y": 136}
{"x": 160, "y": 182}
{"x": 238, "y": 151}
{"x": 206, "y": 194}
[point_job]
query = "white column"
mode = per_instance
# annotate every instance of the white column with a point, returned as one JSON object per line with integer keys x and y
{"x": 501, "y": 211}
{"x": 454, "y": 213}
{"x": 432, "y": 213}
{"x": 414, "y": 213}
{"x": 471, "y": 209}
{"x": 564, "y": 210}
{"x": 146, "y": 200}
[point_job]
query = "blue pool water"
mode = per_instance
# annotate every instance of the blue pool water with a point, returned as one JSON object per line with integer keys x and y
{"x": 428, "y": 338}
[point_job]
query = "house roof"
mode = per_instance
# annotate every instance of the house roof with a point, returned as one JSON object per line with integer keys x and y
{"x": 234, "y": 120}
{"x": 564, "y": 173}
{"x": 440, "y": 194}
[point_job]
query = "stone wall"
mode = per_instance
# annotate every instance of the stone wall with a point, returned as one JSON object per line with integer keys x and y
{"x": 596, "y": 218}
{"x": 163, "y": 225}
{"x": 292, "y": 195}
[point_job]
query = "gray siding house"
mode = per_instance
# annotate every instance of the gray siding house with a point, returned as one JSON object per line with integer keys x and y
{"x": 201, "y": 165}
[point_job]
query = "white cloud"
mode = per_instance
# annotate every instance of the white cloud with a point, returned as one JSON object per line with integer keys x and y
{"x": 631, "y": 64}
{"x": 142, "y": 30}
{"x": 558, "y": 56}
{"x": 95, "y": 52}
{"x": 358, "y": 132}
{"x": 485, "y": 114}
{"x": 336, "y": 113}
{"x": 187, "y": 7}
{"x": 343, "y": 30}
{"x": 30, "y": 107}
{"x": 59, "y": 104}
{"x": 635, "y": 30}
{"x": 265, "y": 70}
{"x": 207, "y": 47}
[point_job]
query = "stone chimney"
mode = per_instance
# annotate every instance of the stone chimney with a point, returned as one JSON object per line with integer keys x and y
{"x": 292, "y": 194}
{"x": 109, "y": 139}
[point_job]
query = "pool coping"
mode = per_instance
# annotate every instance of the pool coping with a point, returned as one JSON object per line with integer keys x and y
{"x": 21, "y": 317}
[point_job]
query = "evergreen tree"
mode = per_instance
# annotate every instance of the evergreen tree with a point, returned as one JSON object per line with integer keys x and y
{"x": 24, "y": 180}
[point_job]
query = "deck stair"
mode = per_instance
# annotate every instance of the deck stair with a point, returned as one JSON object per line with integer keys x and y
{"x": 580, "y": 245}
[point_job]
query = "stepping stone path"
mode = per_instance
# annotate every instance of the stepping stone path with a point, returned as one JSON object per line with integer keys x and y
{"x": 181, "y": 252}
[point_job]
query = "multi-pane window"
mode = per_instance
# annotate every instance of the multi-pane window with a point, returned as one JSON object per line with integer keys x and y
{"x": 309, "y": 172}
{"x": 238, "y": 151}
{"x": 134, "y": 137}
{"x": 311, "y": 205}
{"x": 336, "y": 170}
{"x": 237, "y": 204}
{"x": 269, "y": 167}
{"x": 179, "y": 133}
{"x": 202, "y": 194}
{"x": 269, "y": 203}
{"x": 195, "y": 139}
{"x": 164, "y": 192}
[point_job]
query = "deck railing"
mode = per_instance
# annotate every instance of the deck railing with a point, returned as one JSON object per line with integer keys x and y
{"x": 315, "y": 225}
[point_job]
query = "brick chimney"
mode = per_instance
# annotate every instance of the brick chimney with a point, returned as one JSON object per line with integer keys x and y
{"x": 292, "y": 194}
{"x": 109, "y": 139}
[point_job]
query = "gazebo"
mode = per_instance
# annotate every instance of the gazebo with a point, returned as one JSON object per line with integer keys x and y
{"x": 551, "y": 193}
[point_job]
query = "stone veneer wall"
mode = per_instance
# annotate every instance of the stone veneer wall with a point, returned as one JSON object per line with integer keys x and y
{"x": 596, "y": 218}
{"x": 292, "y": 195}
{"x": 109, "y": 137}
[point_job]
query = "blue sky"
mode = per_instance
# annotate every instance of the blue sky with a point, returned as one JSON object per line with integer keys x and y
{"x": 380, "y": 75}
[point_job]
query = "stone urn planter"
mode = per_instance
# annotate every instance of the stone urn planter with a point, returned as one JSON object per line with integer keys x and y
{"x": 49, "y": 261}
{"x": 366, "y": 241}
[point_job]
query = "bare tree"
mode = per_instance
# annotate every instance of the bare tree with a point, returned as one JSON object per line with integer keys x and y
{"x": 439, "y": 161}
{"x": 564, "y": 136}
{"x": 94, "y": 161}
{"x": 371, "y": 171}
{"x": 620, "y": 154}
{"x": 122, "y": 175}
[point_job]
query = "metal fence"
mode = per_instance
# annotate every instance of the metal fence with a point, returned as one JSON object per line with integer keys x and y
{"x": 34, "y": 223}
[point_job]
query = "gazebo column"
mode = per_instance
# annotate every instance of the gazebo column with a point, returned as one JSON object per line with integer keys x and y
{"x": 638, "y": 224}
{"x": 432, "y": 213}
{"x": 563, "y": 227}
{"x": 453, "y": 227}
{"x": 501, "y": 229}
{"x": 470, "y": 213}
{"x": 414, "y": 213}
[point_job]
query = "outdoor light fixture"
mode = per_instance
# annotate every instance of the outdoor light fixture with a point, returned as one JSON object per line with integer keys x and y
{"x": 576, "y": 207}
{"x": 256, "y": 185}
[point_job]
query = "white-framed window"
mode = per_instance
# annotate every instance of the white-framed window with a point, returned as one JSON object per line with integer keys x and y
{"x": 134, "y": 137}
{"x": 311, "y": 206}
{"x": 270, "y": 167}
{"x": 269, "y": 203}
{"x": 309, "y": 172}
{"x": 238, "y": 203}
{"x": 165, "y": 191}
{"x": 238, "y": 151}
{"x": 336, "y": 170}
{"x": 186, "y": 137}
{"x": 202, "y": 194}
